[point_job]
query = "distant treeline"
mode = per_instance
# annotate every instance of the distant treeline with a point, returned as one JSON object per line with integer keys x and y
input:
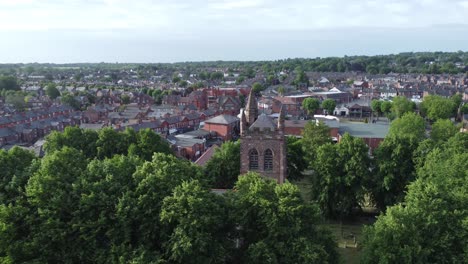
{"x": 408, "y": 62}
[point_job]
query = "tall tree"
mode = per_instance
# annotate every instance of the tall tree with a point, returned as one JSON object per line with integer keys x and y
{"x": 376, "y": 106}
{"x": 329, "y": 105}
{"x": 314, "y": 135}
{"x": 436, "y": 107}
{"x": 431, "y": 226}
{"x": 340, "y": 173}
{"x": 409, "y": 125}
{"x": 311, "y": 105}
{"x": 402, "y": 105}
{"x": 394, "y": 169}
{"x": 15, "y": 171}
{"x": 194, "y": 218}
{"x": 262, "y": 210}
{"x": 296, "y": 159}
{"x": 442, "y": 130}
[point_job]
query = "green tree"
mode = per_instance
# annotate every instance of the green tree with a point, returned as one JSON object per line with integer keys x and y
{"x": 436, "y": 107}
{"x": 311, "y": 105}
{"x": 431, "y": 226}
{"x": 101, "y": 186}
{"x": 329, "y": 105}
{"x": 111, "y": 142}
{"x": 15, "y": 170}
{"x": 395, "y": 169}
{"x": 296, "y": 159}
{"x": 314, "y": 135}
{"x": 376, "y": 106}
{"x": 195, "y": 219}
{"x": 69, "y": 99}
{"x": 147, "y": 142}
{"x": 224, "y": 167}
{"x": 340, "y": 173}
{"x": 17, "y": 100}
{"x": 402, "y": 105}
{"x": 9, "y": 83}
{"x": 51, "y": 190}
{"x": 138, "y": 210}
{"x": 409, "y": 125}
{"x": 442, "y": 130}
{"x": 301, "y": 78}
{"x": 257, "y": 88}
{"x": 73, "y": 137}
{"x": 263, "y": 212}
{"x": 52, "y": 91}
{"x": 386, "y": 107}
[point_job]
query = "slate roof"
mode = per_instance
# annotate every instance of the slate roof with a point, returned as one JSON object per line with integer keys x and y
{"x": 363, "y": 130}
{"x": 263, "y": 121}
{"x": 223, "y": 119}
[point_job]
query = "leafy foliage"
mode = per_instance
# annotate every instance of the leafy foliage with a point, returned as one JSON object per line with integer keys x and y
{"x": 224, "y": 167}
{"x": 329, "y": 105}
{"x": 311, "y": 105}
{"x": 341, "y": 171}
{"x": 431, "y": 226}
{"x": 436, "y": 107}
{"x": 401, "y": 105}
{"x": 276, "y": 226}
{"x": 314, "y": 135}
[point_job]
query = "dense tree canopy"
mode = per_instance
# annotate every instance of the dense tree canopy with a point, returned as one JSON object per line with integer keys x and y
{"x": 430, "y": 227}
{"x": 107, "y": 142}
{"x": 436, "y": 107}
{"x": 314, "y": 135}
{"x": 409, "y": 125}
{"x": 401, "y": 105}
{"x": 340, "y": 173}
{"x": 9, "y": 83}
{"x": 276, "y": 226}
{"x": 224, "y": 167}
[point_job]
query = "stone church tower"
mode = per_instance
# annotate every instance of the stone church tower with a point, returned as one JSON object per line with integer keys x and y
{"x": 263, "y": 145}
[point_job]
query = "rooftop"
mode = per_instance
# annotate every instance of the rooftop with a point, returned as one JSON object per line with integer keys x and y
{"x": 263, "y": 121}
{"x": 363, "y": 130}
{"x": 223, "y": 119}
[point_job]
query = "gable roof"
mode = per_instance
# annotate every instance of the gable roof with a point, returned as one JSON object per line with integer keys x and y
{"x": 263, "y": 121}
{"x": 223, "y": 119}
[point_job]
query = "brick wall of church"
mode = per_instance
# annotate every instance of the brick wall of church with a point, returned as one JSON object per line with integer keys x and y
{"x": 261, "y": 142}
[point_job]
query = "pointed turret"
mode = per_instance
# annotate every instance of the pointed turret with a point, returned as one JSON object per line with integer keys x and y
{"x": 243, "y": 123}
{"x": 281, "y": 119}
{"x": 251, "y": 108}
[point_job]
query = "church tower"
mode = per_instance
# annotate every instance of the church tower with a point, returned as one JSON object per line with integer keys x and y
{"x": 263, "y": 145}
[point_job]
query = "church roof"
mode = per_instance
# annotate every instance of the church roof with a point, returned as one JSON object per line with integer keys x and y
{"x": 263, "y": 121}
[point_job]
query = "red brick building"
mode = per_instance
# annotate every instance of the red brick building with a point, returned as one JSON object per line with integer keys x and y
{"x": 225, "y": 126}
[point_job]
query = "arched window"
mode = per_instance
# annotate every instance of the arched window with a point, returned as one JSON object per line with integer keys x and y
{"x": 253, "y": 159}
{"x": 268, "y": 160}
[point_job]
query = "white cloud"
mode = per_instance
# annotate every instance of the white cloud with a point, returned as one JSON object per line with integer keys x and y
{"x": 180, "y": 16}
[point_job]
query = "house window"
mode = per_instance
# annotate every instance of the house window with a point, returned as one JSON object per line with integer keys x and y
{"x": 253, "y": 159}
{"x": 268, "y": 160}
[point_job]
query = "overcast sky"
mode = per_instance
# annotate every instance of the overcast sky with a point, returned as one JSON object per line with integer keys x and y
{"x": 64, "y": 31}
